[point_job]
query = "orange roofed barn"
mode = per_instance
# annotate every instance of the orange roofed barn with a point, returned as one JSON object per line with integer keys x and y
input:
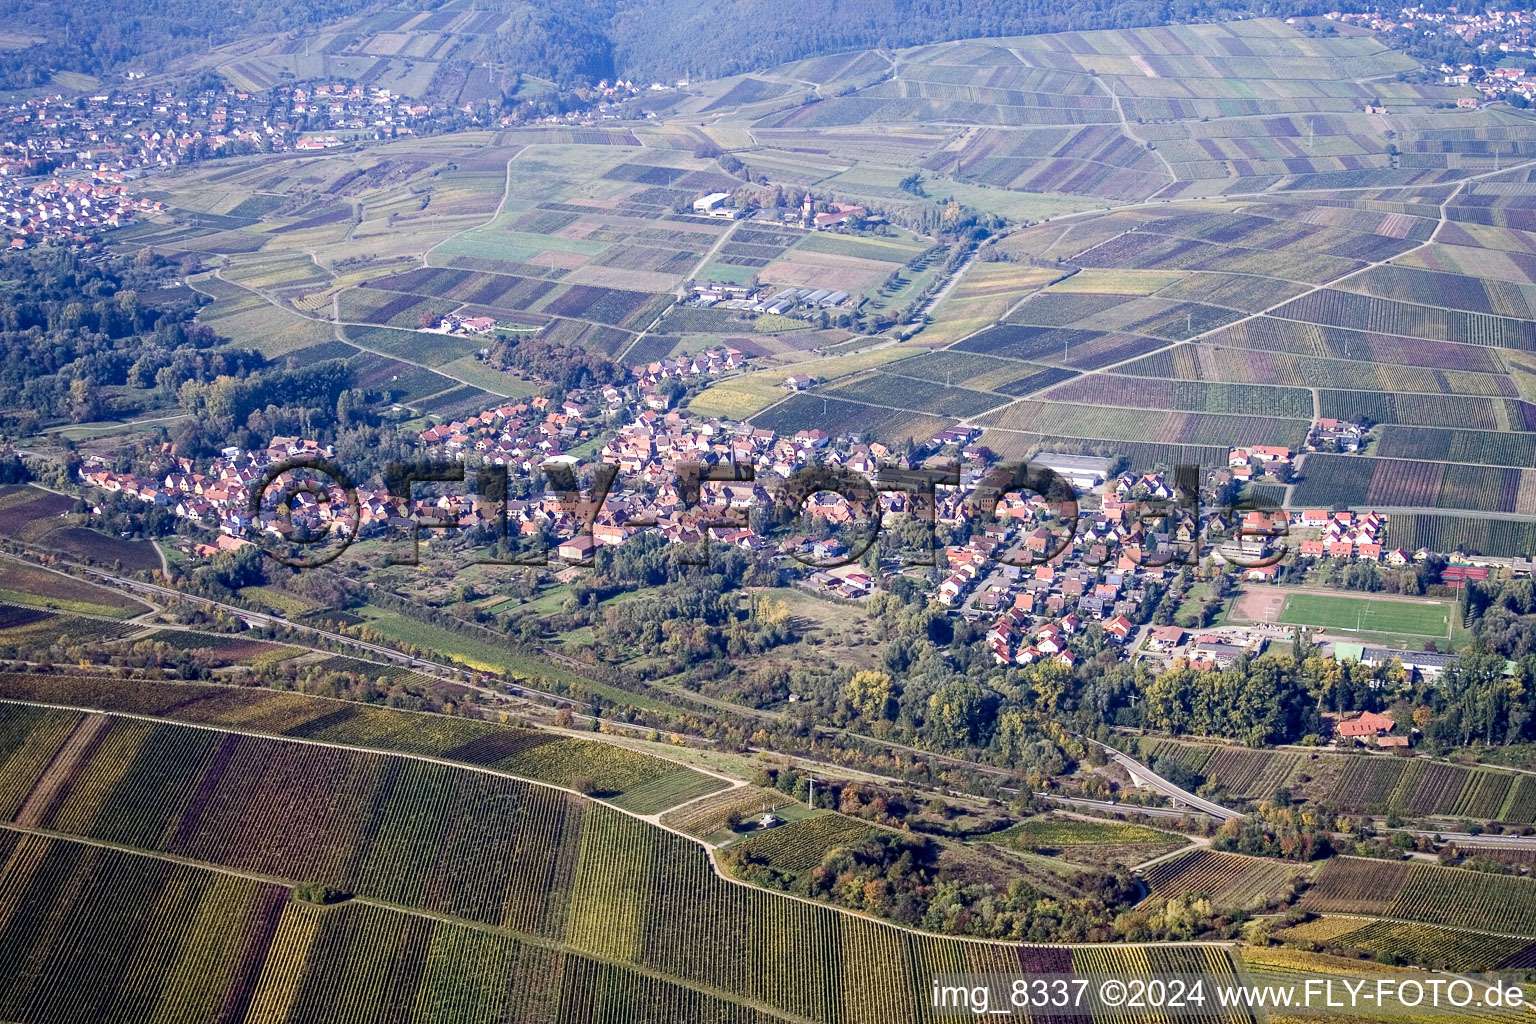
{"x": 1367, "y": 725}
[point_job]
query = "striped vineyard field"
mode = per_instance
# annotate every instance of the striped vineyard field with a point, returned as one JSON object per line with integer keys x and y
{"x": 1254, "y": 774}
{"x": 165, "y": 924}
{"x": 1212, "y": 962}
{"x": 1368, "y": 784}
{"x": 1406, "y": 483}
{"x": 1467, "y": 899}
{"x": 671, "y": 790}
{"x": 507, "y": 863}
{"x": 1377, "y": 785}
{"x": 1522, "y": 801}
{"x": 33, "y": 629}
{"x": 534, "y": 754}
{"x": 1482, "y": 536}
{"x": 1483, "y": 795}
{"x": 29, "y": 738}
{"x": 1520, "y": 858}
{"x": 1321, "y": 930}
{"x": 801, "y": 845}
{"x": 1352, "y": 885}
{"x": 1285, "y": 965}
{"x": 1442, "y": 948}
{"x": 704, "y": 818}
{"x": 186, "y": 944}
{"x": 1195, "y": 758}
{"x": 1230, "y": 880}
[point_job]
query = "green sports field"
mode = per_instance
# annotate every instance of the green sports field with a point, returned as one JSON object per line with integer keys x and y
{"x": 1366, "y": 614}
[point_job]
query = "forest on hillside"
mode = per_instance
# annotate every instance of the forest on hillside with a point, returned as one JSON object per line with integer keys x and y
{"x": 99, "y": 37}
{"x": 727, "y": 37}
{"x": 571, "y": 42}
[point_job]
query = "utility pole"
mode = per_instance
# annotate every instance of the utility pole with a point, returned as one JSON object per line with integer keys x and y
{"x": 810, "y": 795}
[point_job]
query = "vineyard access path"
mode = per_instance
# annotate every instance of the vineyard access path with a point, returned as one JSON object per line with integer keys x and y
{"x": 480, "y": 769}
{"x": 969, "y": 421}
{"x": 1200, "y": 841}
{"x": 431, "y": 915}
{"x": 336, "y": 327}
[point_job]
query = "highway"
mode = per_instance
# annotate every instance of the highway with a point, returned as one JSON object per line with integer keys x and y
{"x": 1107, "y": 807}
{"x": 1166, "y": 788}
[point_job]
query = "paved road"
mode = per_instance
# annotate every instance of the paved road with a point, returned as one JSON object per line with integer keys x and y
{"x": 1469, "y": 842}
{"x": 1166, "y": 788}
{"x": 1114, "y": 808}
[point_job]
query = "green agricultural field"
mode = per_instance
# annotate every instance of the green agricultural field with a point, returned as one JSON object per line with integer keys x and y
{"x": 491, "y": 860}
{"x": 1369, "y": 615}
{"x": 477, "y": 654}
{"x": 486, "y": 656}
{"x": 1097, "y": 843}
{"x": 515, "y": 246}
{"x": 30, "y": 585}
{"x": 1056, "y": 832}
{"x": 250, "y": 942}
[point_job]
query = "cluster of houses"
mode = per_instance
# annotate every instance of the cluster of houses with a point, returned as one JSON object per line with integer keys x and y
{"x": 56, "y": 210}
{"x": 219, "y": 497}
{"x": 1329, "y": 434}
{"x": 124, "y": 129}
{"x": 1038, "y": 584}
{"x": 1504, "y": 31}
{"x": 64, "y": 160}
{"x": 1493, "y": 83}
{"x": 522, "y": 435}
{"x": 711, "y": 362}
{"x": 1014, "y": 640}
{"x": 1347, "y": 535}
{"x": 595, "y": 104}
{"x": 1256, "y": 460}
{"x": 1039, "y": 608}
{"x": 1098, "y": 573}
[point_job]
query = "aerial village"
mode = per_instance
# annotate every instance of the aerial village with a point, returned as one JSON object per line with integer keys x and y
{"x": 1018, "y": 574}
